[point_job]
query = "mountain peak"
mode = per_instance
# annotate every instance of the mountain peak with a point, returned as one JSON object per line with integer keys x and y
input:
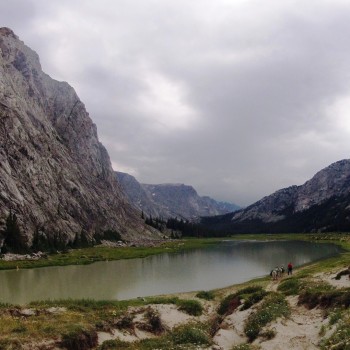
{"x": 171, "y": 200}
{"x": 321, "y": 203}
{"x": 4, "y": 31}
{"x": 54, "y": 173}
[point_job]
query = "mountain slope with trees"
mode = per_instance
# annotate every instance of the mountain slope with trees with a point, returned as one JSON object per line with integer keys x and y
{"x": 321, "y": 204}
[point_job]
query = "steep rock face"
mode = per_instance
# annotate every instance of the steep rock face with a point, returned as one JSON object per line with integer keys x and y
{"x": 171, "y": 200}
{"x": 54, "y": 173}
{"x": 321, "y": 204}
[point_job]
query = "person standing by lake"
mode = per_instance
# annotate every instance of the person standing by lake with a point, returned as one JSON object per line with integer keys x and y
{"x": 290, "y": 268}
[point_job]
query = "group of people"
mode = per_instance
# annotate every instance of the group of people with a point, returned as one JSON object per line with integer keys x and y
{"x": 278, "y": 272}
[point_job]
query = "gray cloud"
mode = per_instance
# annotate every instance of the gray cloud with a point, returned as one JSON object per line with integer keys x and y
{"x": 236, "y": 98}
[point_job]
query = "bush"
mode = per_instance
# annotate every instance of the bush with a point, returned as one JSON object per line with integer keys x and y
{"x": 339, "y": 340}
{"x": 253, "y": 299}
{"x": 115, "y": 344}
{"x": 126, "y": 322}
{"x": 272, "y": 307}
{"x": 205, "y": 295}
{"x": 229, "y": 304}
{"x": 154, "y": 324}
{"x": 244, "y": 347}
{"x": 251, "y": 295}
{"x": 79, "y": 339}
{"x": 290, "y": 286}
{"x": 190, "y": 334}
{"x": 10, "y": 344}
{"x": 191, "y": 307}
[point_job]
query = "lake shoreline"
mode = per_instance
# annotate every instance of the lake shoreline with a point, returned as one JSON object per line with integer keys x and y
{"x": 107, "y": 325}
{"x": 85, "y": 256}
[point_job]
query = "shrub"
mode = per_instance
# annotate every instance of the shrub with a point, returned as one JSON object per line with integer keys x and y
{"x": 190, "y": 334}
{"x": 126, "y": 322}
{"x": 191, "y": 307}
{"x": 10, "y": 344}
{"x": 244, "y": 347}
{"x": 249, "y": 290}
{"x": 214, "y": 324}
{"x": 251, "y": 295}
{"x": 342, "y": 273}
{"x": 253, "y": 299}
{"x": 229, "y": 304}
{"x": 205, "y": 295}
{"x": 326, "y": 298}
{"x": 339, "y": 340}
{"x": 290, "y": 286}
{"x": 272, "y": 307}
{"x": 114, "y": 344}
{"x": 154, "y": 322}
{"x": 79, "y": 339}
{"x": 312, "y": 293}
{"x": 268, "y": 334}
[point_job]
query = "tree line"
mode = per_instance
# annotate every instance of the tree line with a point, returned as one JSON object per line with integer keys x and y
{"x": 14, "y": 241}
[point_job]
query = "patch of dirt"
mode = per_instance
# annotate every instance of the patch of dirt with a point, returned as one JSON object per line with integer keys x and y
{"x": 299, "y": 332}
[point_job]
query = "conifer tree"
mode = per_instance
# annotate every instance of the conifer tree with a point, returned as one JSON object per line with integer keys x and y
{"x": 14, "y": 241}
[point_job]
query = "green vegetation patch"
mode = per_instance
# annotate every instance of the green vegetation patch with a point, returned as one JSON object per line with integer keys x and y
{"x": 312, "y": 294}
{"x": 251, "y": 295}
{"x": 191, "y": 307}
{"x": 273, "y": 306}
{"x": 115, "y": 344}
{"x": 291, "y": 286}
{"x": 245, "y": 347}
{"x": 340, "y": 339}
{"x": 206, "y": 295}
{"x": 188, "y": 336}
{"x": 79, "y": 338}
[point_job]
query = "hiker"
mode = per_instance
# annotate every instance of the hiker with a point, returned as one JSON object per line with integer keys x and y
{"x": 290, "y": 269}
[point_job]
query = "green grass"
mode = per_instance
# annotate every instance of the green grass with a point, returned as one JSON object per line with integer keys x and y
{"x": 273, "y": 306}
{"x": 85, "y": 256}
{"x": 206, "y": 295}
{"x": 290, "y": 286}
{"x": 250, "y": 295}
{"x": 340, "y": 339}
{"x": 191, "y": 307}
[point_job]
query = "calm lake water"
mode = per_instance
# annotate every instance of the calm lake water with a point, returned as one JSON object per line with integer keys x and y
{"x": 199, "y": 269}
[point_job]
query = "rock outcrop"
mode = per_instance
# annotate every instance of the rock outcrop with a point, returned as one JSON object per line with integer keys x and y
{"x": 321, "y": 204}
{"x": 171, "y": 200}
{"x": 54, "y": 173}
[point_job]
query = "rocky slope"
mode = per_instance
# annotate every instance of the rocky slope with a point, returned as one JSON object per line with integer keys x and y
{"x": 54, "y": 173}
{"x": 321, "y": 204}
{"x": 171, "y": 200}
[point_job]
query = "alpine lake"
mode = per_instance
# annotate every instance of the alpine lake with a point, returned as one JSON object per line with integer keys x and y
{"x": 210, "y": 267}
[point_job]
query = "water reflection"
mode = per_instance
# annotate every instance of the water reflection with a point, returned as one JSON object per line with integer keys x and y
{"x": 200, "y": 269}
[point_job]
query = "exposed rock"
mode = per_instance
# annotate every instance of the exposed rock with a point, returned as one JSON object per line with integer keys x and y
{"x": 171, "y": 200}
{"x": 54, "y": 173}
{"x": 321, "y": 204}
{"x": 329, "y": 182}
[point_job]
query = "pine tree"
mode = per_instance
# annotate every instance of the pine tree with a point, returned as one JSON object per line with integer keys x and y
{"x": 14, "y": 241}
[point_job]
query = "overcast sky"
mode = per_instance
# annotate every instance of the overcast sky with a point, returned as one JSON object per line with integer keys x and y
{"x": 238, "y": 98}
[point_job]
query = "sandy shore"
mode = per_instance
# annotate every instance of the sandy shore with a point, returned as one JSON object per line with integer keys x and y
{"x": 302, "y": 330}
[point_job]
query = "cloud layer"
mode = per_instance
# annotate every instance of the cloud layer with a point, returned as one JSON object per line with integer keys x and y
{"x": 237, "y": 98}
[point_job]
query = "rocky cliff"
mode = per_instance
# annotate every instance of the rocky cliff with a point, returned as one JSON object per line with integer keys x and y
{"x": 321, "y": 204}
{"x": 171, "y": 200}
{"x": 54, "y": 173}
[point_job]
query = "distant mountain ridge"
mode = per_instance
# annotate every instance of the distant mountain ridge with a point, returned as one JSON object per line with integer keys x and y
{"x": 170, "y": 200}
{"x": 321, "y": 204}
